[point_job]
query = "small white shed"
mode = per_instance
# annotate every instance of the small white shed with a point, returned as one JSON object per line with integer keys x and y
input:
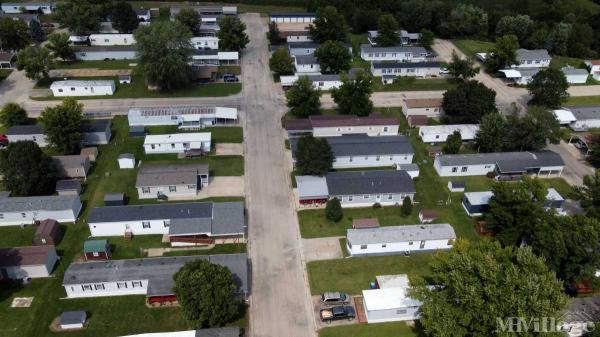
{"x": 70, "y": 320}
{"x": 575, "y": 76}
{"x": 126, "y": 161}
{"x": 390, "y": 302}
{"x": 125, "y": 79}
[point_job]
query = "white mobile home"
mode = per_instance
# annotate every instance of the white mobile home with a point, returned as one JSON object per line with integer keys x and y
{"x": 214, "y": 57}
{"x": 99, "y": 53}
{"x": 391, "y": 240}
{"x": 390, "y": 301}
{"x": 16, "y": 211}
{"x": 181, "y": 181}
{"x": 594, "y": 66}
{"x": 112, "y": 39}
{"x": 439, "y": 133}
{"x": 429, "y": 107}
{"x": 292, "y": 17}
{"x": 575, "y": 76}
{"x": 307, "y": 64}
{"x": 34, "y": 133}
{"x": 82, "y": 88}
{"x": 506, "y": 165}
{"x": 28, "y": 7}
{"x": 27, "y": 262}
{"x": 405, "y": 69}
{"x": 302, "y": 48}
{"x": 205, "y": 42}
{"x": 177, "y": 142}
{"x": 185, "y": 117}
{"x": 520, "y": 76}
{"x": 396, "y": 53}
{"x": 338, "y": 125}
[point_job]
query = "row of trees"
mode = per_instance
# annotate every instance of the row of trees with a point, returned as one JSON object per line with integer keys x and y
{"x": 16, "y": 34}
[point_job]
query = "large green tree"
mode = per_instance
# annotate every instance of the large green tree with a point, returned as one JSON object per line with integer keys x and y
{"x": 281, "y": 62}
{"x": 531, "y": 131}
{"x": 273, "y": 35}
{"x": 27, "y": 170}
{"x": 124, "y": 18}
{"x": 468, "y": 102}
{"x": 333, "y": 57}
{"x": 60, "y": 46}
{"x": 232, "y": 34}
{"x": 14, "y": 34}
{"x": 427, "y": 38}
{"x": 589, "y": 194}
{"x": 36, "y": 32}
{"x": 333, "y": 210}
{"x": 207, "y": 294}
{"x": 388, "y": 31}
{"x": 163, "y": 50}
{"x": 353, "y": 97}
{"x": 190, "y": 18}
{"x": 313, "y": 156}
{"x": 465, "y": 20}
{"x": 520, "y": 26}
{"x": 478, "y": 283}
{"x": 453, "y": 143}
{"x": 303, "y": 98}
{"x": 36, "y": 62}
{"x": 549, "y": 88}
{"x": 329, "y": 25}
{"x": 462, "y": 68}
{"x": 503, "y": 54}
{"x": 491, "y": 134}
{"x": 82, "y": 16}
{"x": 12, "y": 114}
{"x": 62, "y": 125}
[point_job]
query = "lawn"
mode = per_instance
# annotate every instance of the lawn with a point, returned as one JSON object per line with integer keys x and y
{"x": 352, "y": 275}
{"x": 583, "y": 100}
{"x": 121, "y": 249}
{"x": 229, "y": 248}
{"x": 16, "y": 236}
{"x": 414, "y": 84}
{"x": 101, "y": 64}
{"x": 395, "y": 329}
{"x": 219, "y": 134}
{"x": 561, "y": 61}
{"x": 139, "y": 89}
{"x": 472, "y": 47}
{"x": 4, "y": 73}
{"x": 230, "y": 69}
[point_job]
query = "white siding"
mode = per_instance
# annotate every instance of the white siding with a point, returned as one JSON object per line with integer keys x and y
{"x": 288, "y": 19}
{"x": 371, "y": 130}
{"x": 372, "y": 161}
{"x": 102, "y": 55}
{"x": 92, "y": 90}
{"x": 406, "y": 72}
{"x": 135, "y": 226}
{"x": 392, "y": 56}
{"x": 431, "y": 112}
{"x": 112, "y": 39}
{"x": 205, "y": 42}
{"x": 399, "y": 247}
{"x": 298, "y": 38}
{"x": 392, "y": 315}
{"x": 304, "y": 69}
{"x": 463, "y": 170}
{"x": 29, "y": 217}
{"x": 177, "y": 147}
{"x": 586, "y": 124}
{"x": 33, "y": 271}
{"x": 367, "y": 200}
{"x": 110, "y": 289}
{"x": 180, "y": 191}
{"x": 40, "y": 139}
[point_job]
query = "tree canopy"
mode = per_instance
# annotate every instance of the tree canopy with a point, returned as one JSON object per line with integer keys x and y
{"x": 62, "y": 125}
{"x": 189, "y": 18}
{"x": 468, "y": 102}
{"x": 14, "y": 34}
{"x": 303, "y": 98}
{"x": 12, "y": 114}
{"x": 36, "y": 62}
{"x": 465, "y": 20}
{"x": 329, "y": 25}
{"x": 453, "y": 143}
{"x": 59, "y": 45}
{"x": 531, "y": 131}
{"x": 462, "y": 68}
{"x": 82, "y": 16}
{"x": 333, "y": 57}
{"x": 503, "y": 54}
{"x": 333, "y": 210}
{"x": 281, "y": 62}
{"x": 492, "y": 132}
{"x": 520, "y": 26}
{"x": 124, "y": 18}
{"x": 163, "y": 50}
{"x": 353, "y": 97}
{"x": 273, "y": 35}
{"x": 313, "y": 156}
{"x": 36, "y": 32}
{"x": 549, "y": 88}
{"x": 476, "y": 283}
{"x": 589, "y": 194}
{"x": 27, "y": 170}
{"x": 388, "y": 31}
{"x": 232, "y": 34}
{"x": 207, "y": 294}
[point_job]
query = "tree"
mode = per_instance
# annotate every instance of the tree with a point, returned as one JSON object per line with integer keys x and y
{"x": 566, "y": 243}
{"x": 207, "y": 293}
{"x": 478, "y": 283}
{"x": 462, "y": 68}
{"x": 333, "y": 210}
{"x": 36, "y": 32}
{"x": 594, "y": 155}
{"x": 333, "y": 57}
{"x": 273, "y": 33}
{"x": 492, "y": 129}
{"x": 560, "y": 38}
{"x": 453, "y": 143}
{"x": 12, "y": 114}
{"x": 124, "y": 18}
{"x": 406, "y": 208}
{"x": 520, "y": 26}
{"x": 60, "y": 46}
{"x": 281, "y": 62}
{"x": 163, "y": 50}
{"x": 329, "y": 25}
{"x": 387, "y": 31}
{"x": 303, "y": 99}
{"x": 427, "y": 38}
{"x": 503, "y": 54}
{"x": 468, "y": 102}
{"x": 232, "y": 35}
{"x": 465, "y": 20}
{"x": 533, "y": 130}
{"x": 35, "y": 61}
{"x": 313, "y": 156}
{"x": 589, "y": 194}
{"x": 189, "y": 18}
{"x": 27, "y": 170}
{"x": 62, "y": 125}
{"x": 81, "y": 16}
{"x": 14, "y": 34}
{"x": 549, "y": 88}
{"x": 515, "y": 208}
{"x": 353, "y": 97}
{"x": 581, "y": 40}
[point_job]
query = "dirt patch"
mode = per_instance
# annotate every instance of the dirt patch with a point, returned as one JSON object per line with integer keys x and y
{"x": 230, "y": 149}
{"x": 55, "y": 326}
{"x": 21, "y": 302}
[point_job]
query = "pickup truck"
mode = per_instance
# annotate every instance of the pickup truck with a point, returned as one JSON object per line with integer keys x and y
{"x": 337, "y": 313}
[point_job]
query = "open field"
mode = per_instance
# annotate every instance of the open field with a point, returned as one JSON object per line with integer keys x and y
{"x": 472, "y": 47}
{"x": 395, "y": 329}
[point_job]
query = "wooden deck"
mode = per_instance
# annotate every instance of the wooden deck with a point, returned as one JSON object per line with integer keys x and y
{"x": 361, "y": 316}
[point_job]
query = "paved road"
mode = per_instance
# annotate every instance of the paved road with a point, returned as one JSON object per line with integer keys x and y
{"x": 280, "y": 304}
{"x": 15, "y": 88}
{"x": 576, "y": 167}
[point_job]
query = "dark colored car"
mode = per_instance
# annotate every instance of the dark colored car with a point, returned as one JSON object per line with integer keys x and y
{"x": 337, "y": 313}
{"x": 230, "y": 78}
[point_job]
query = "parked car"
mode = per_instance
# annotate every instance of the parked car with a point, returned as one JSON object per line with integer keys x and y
{"x": 229, "y": 77}
{"x": 335, "y": 298}
{"x": 337, "y": 313}
{"x": 194, "y": 153}
{"x": 444, "y": 71}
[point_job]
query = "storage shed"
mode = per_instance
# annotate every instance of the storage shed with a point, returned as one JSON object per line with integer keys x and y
{"x": 114, "y": 199}
{"x": 390, "y": 302}
{"x": 125, "y": 79}
{"x": 365, "y": 223}
{"x": 428, "y": 215}
{"x": 126, "y": 161}
{"x": 68, "y": 187}
{"x": 137, "y": 131}
{"x": 70, "y": 320}
{"x": 96, "y": 250}
{"x": 456, "y": 186}
{"x": 90, "y": 152}
{"x": 27, "y": 262}
{"x": 47, "y": 233}
{"x": 475, "y": 203}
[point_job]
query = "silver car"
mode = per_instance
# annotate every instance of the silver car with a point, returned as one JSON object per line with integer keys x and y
{"x": 335, "y": 298}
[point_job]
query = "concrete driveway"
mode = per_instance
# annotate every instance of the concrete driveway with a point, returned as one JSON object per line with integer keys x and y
{"x": 229, "y": 149}
{"x": 322, "y": 248}
{"x": 15, "y": 88}
{"x": 576, "y": 166}
{"x": 317, "y": 306}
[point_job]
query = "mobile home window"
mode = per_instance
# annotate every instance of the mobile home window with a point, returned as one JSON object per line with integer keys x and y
{"x": 366, "y": 196}
{"x": 172, "y": 188}
{"x": 390, "y": 197}
{"x": 350, "y": 198}
{"x": 145, "y": 189}
{"x": 454, "y": 169}
{"x": 401, "y": 312}
{"x": 1, "y": 216}
{"x": 167, "y": 223}
{"x": 23, "y": 214}
{"x": 86, "y": 287}
{"x": 72, "y": 89}
{"x": 99, "y": 286}
{"x": 363, "y": 246}
{"x": 60, "y": 90}
{"x": 172, "y": 145}
{"x": 145, "y": 224}
{"x": 191, "y": 187}
{"x": 383, "y": 245}
{"x": 136, "y": 284}
{"x": 464, "y": 169}
{"x": 121, "y": 285}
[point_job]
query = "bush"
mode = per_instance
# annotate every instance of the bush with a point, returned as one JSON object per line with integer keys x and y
{"x": 407, "y": 207}
{"x": 376, "y": 205}
{"x": 333, "y": 210}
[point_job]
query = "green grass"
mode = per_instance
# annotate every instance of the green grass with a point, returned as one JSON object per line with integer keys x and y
{"x": 352, "y": 275}
{"x": 100, "y": 64}
{"x": 4, "y": 73}
{"x": 229, "y": 248}
{"x": 219, "y": 134}
{"x": 472, "y": 47}
{"x": 583, "y": 100}
{"x": 395, "y": 329}
{"x": 230, "y": 69}
{"x": 121, "y": 249}
{"x": 415, "y": 84}
{"x": 139, "y": 89}
{"x": 561, "y": 61}
{"x": 15, "y": 236}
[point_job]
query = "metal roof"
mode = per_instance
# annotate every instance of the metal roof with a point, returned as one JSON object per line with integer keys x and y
{"x": 36, "y": 129}
{"x": 369, "y": 182}
{"x": 91, "y": 246}
{"x": 363, "y": 145}
{"x": 479, "y": 198}
{"x": 72, "y": 317}
{"x": 70, "y": 161}
{"x": 395, "y": 65}
{"x": 367, "y": 48}
{"x": 38, "y": 203}
{"x": 103, "y": 49}
{"x": 25, "y": 256}
{"x": 303, "y": 45}
{"x": 306, "y": 59}
{"x": 189, "y": 210}
{"x": 583, "y": 112}
{"x": 158, "y": 271}
{"x": 178, "y": 138}
{"x": 312, "y": 187}
{"x": 68, "y": 185}
{"x": 96, "y": 125}
{"x": 294, "y": 14}
{"x": 533, "y": 54}
{"x": 574, "y": 71}
{"x": 393, "y": 234}
{"x": 524, "y": 159}
{"x": 169, "y": 174}
{"x": 80, "y": 83}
